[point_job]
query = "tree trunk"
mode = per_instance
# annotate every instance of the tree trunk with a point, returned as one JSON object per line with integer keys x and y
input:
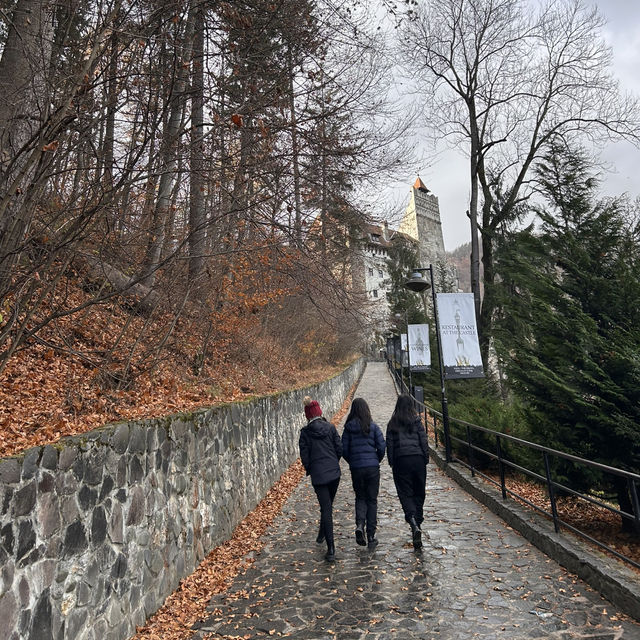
{"x": 168, "y": 164}
{"x": 625, "y": 503}
{"x": 473, "y": 219}
{"x": 197, "y": 216}
{"x": 323, "y": 184}
{"x": 295, "y": 153}
{"x": 488, "y": 305}
{"x": 137, "y": 296}
{"x": 24, "y": 109}
{"x": 112, "y": 99}
{"x": 239, "y": 196}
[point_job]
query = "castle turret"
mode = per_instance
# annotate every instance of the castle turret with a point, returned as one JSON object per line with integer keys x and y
{"x": 421, "y": 221}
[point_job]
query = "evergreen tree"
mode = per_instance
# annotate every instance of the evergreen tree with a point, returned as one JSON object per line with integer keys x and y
{"x": 568, "y": 330}
{"x": 403, "y": 257}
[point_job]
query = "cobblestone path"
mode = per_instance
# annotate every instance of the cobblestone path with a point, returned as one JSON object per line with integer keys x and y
{"x": 475, "y": 578}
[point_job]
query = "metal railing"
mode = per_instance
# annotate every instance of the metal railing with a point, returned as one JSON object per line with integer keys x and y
{"x": 464, "y": 441}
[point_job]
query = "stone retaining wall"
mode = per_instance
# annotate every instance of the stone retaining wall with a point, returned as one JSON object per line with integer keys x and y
{"x": 97, "y": 530}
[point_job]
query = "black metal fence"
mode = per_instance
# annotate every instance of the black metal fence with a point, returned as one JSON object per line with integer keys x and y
{"x": 472, "y": 442}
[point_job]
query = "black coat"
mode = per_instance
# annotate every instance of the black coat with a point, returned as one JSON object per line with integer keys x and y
{"x": 409, "y": 442}
{"x": 320, "y": 451}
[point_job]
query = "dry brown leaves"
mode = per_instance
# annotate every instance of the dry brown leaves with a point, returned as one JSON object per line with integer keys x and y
{"x": 598, "y": 522}
{"x": 189, "y": 602}
{"x": 45, "y": 396}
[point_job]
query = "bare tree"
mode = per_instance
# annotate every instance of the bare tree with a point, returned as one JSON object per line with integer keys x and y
{"x": 24, "y": 110}
{"x": 197, "y": 214}
{"x": 505, "y": 79}
{"x": 176, "y": 66}
{"x": 152, "y": 144}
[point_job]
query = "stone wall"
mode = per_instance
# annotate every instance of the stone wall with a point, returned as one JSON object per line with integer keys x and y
{"x": 97, "y": 530}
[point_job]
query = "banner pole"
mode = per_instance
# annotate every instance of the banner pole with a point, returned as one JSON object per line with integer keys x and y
{"x": 445, "y": 406}
{"x": 406, "y": 324}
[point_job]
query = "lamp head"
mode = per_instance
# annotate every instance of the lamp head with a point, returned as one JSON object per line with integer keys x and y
{"x": 417, "y": 282}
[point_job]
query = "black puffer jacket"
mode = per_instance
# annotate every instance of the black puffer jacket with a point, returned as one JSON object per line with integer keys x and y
{"x": 320, "y": 451}
{"x": 407, "y": 442}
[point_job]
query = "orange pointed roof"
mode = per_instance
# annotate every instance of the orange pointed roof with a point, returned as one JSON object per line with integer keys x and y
{"x": 419, "y": 185}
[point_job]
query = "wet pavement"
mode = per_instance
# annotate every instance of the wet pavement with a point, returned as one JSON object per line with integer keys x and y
{"x": 474, "y": 578}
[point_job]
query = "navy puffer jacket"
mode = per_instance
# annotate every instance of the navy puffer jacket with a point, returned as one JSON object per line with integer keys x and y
{"x": 361, "y": 450}
{"x": 320, "y": 451}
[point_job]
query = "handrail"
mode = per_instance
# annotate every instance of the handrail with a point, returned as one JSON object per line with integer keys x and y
{"x": 547, "y": 479}
{"x": 560, "y": 454}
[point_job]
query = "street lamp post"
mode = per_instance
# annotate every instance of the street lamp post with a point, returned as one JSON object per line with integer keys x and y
{"x": 401, "y": 364}
{"x": 418, "y": 284}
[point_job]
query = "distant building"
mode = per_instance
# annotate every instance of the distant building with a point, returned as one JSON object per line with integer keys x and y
{"x": 421, "y": 222}
{"x": 369, "y": 262}
{"x": 371, "y": 274}
{"x": 375, "y": 253}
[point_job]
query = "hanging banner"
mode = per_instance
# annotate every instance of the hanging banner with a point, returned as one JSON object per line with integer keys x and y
{"x": 397, "y": 349}
{"x": 419, "y": 350}
{"x": 389, "y": 354}
{"x": 405, "y": 352}
{"x": 459, "y": 336}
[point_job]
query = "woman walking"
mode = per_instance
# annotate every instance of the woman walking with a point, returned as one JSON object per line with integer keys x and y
{"x": 363, "y": 448}
{"x": 408, "y": 455}
{"x": 320, "y": 452}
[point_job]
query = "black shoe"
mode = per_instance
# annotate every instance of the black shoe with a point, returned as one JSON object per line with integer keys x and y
{"x": 416, "y": 533}
{"x": 320, "y": 537}
{"x": 373, "y": 543}
{"x": 360, "y": 535}
{"x": 330, "y": 556}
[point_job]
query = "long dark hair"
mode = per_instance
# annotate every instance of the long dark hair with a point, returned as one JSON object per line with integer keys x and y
{"x": 360, "y": 410}
{"x": 404, "y": 415}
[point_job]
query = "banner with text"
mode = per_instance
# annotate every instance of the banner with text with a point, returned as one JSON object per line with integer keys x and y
{"x": 419, "y": 350}
{"x": 460, "y": 346}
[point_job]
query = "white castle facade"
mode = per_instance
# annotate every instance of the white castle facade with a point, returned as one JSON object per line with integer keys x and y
{"x": 421, "y": 223}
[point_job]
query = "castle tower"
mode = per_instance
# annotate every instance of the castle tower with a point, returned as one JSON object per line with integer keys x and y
{"x": 422, "y": 222}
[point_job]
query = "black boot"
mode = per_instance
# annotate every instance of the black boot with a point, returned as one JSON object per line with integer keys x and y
{"x": 360, "y": 534}
{"x": 320, "y": 537}
{"x": 330, "y": 556}
{"x": 416, "y": 533}
{"x": 372, "y": 541}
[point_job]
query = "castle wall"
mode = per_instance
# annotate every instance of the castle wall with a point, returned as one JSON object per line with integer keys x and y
{"x": 430, "y": 241}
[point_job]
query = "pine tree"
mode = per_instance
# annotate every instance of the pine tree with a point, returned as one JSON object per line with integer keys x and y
{"x": 568, "y": 330}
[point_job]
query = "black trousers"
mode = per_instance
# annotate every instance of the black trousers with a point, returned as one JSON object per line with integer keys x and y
{"x": 366, "y": 484}
{"x": 410, "y": 478}
{"x": 326, "y": 493}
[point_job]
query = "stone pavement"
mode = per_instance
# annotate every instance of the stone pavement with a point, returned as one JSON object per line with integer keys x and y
{"x": 475, "y": 577}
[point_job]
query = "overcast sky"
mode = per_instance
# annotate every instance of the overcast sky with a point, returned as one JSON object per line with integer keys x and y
{"x": 447, "y": 175}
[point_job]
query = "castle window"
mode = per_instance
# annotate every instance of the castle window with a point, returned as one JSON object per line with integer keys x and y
{"x": 375, "y": 293}
{"x": 381, "y": 273}
{"x": 370, "y": 271}
{"x": 375, "y": 237}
